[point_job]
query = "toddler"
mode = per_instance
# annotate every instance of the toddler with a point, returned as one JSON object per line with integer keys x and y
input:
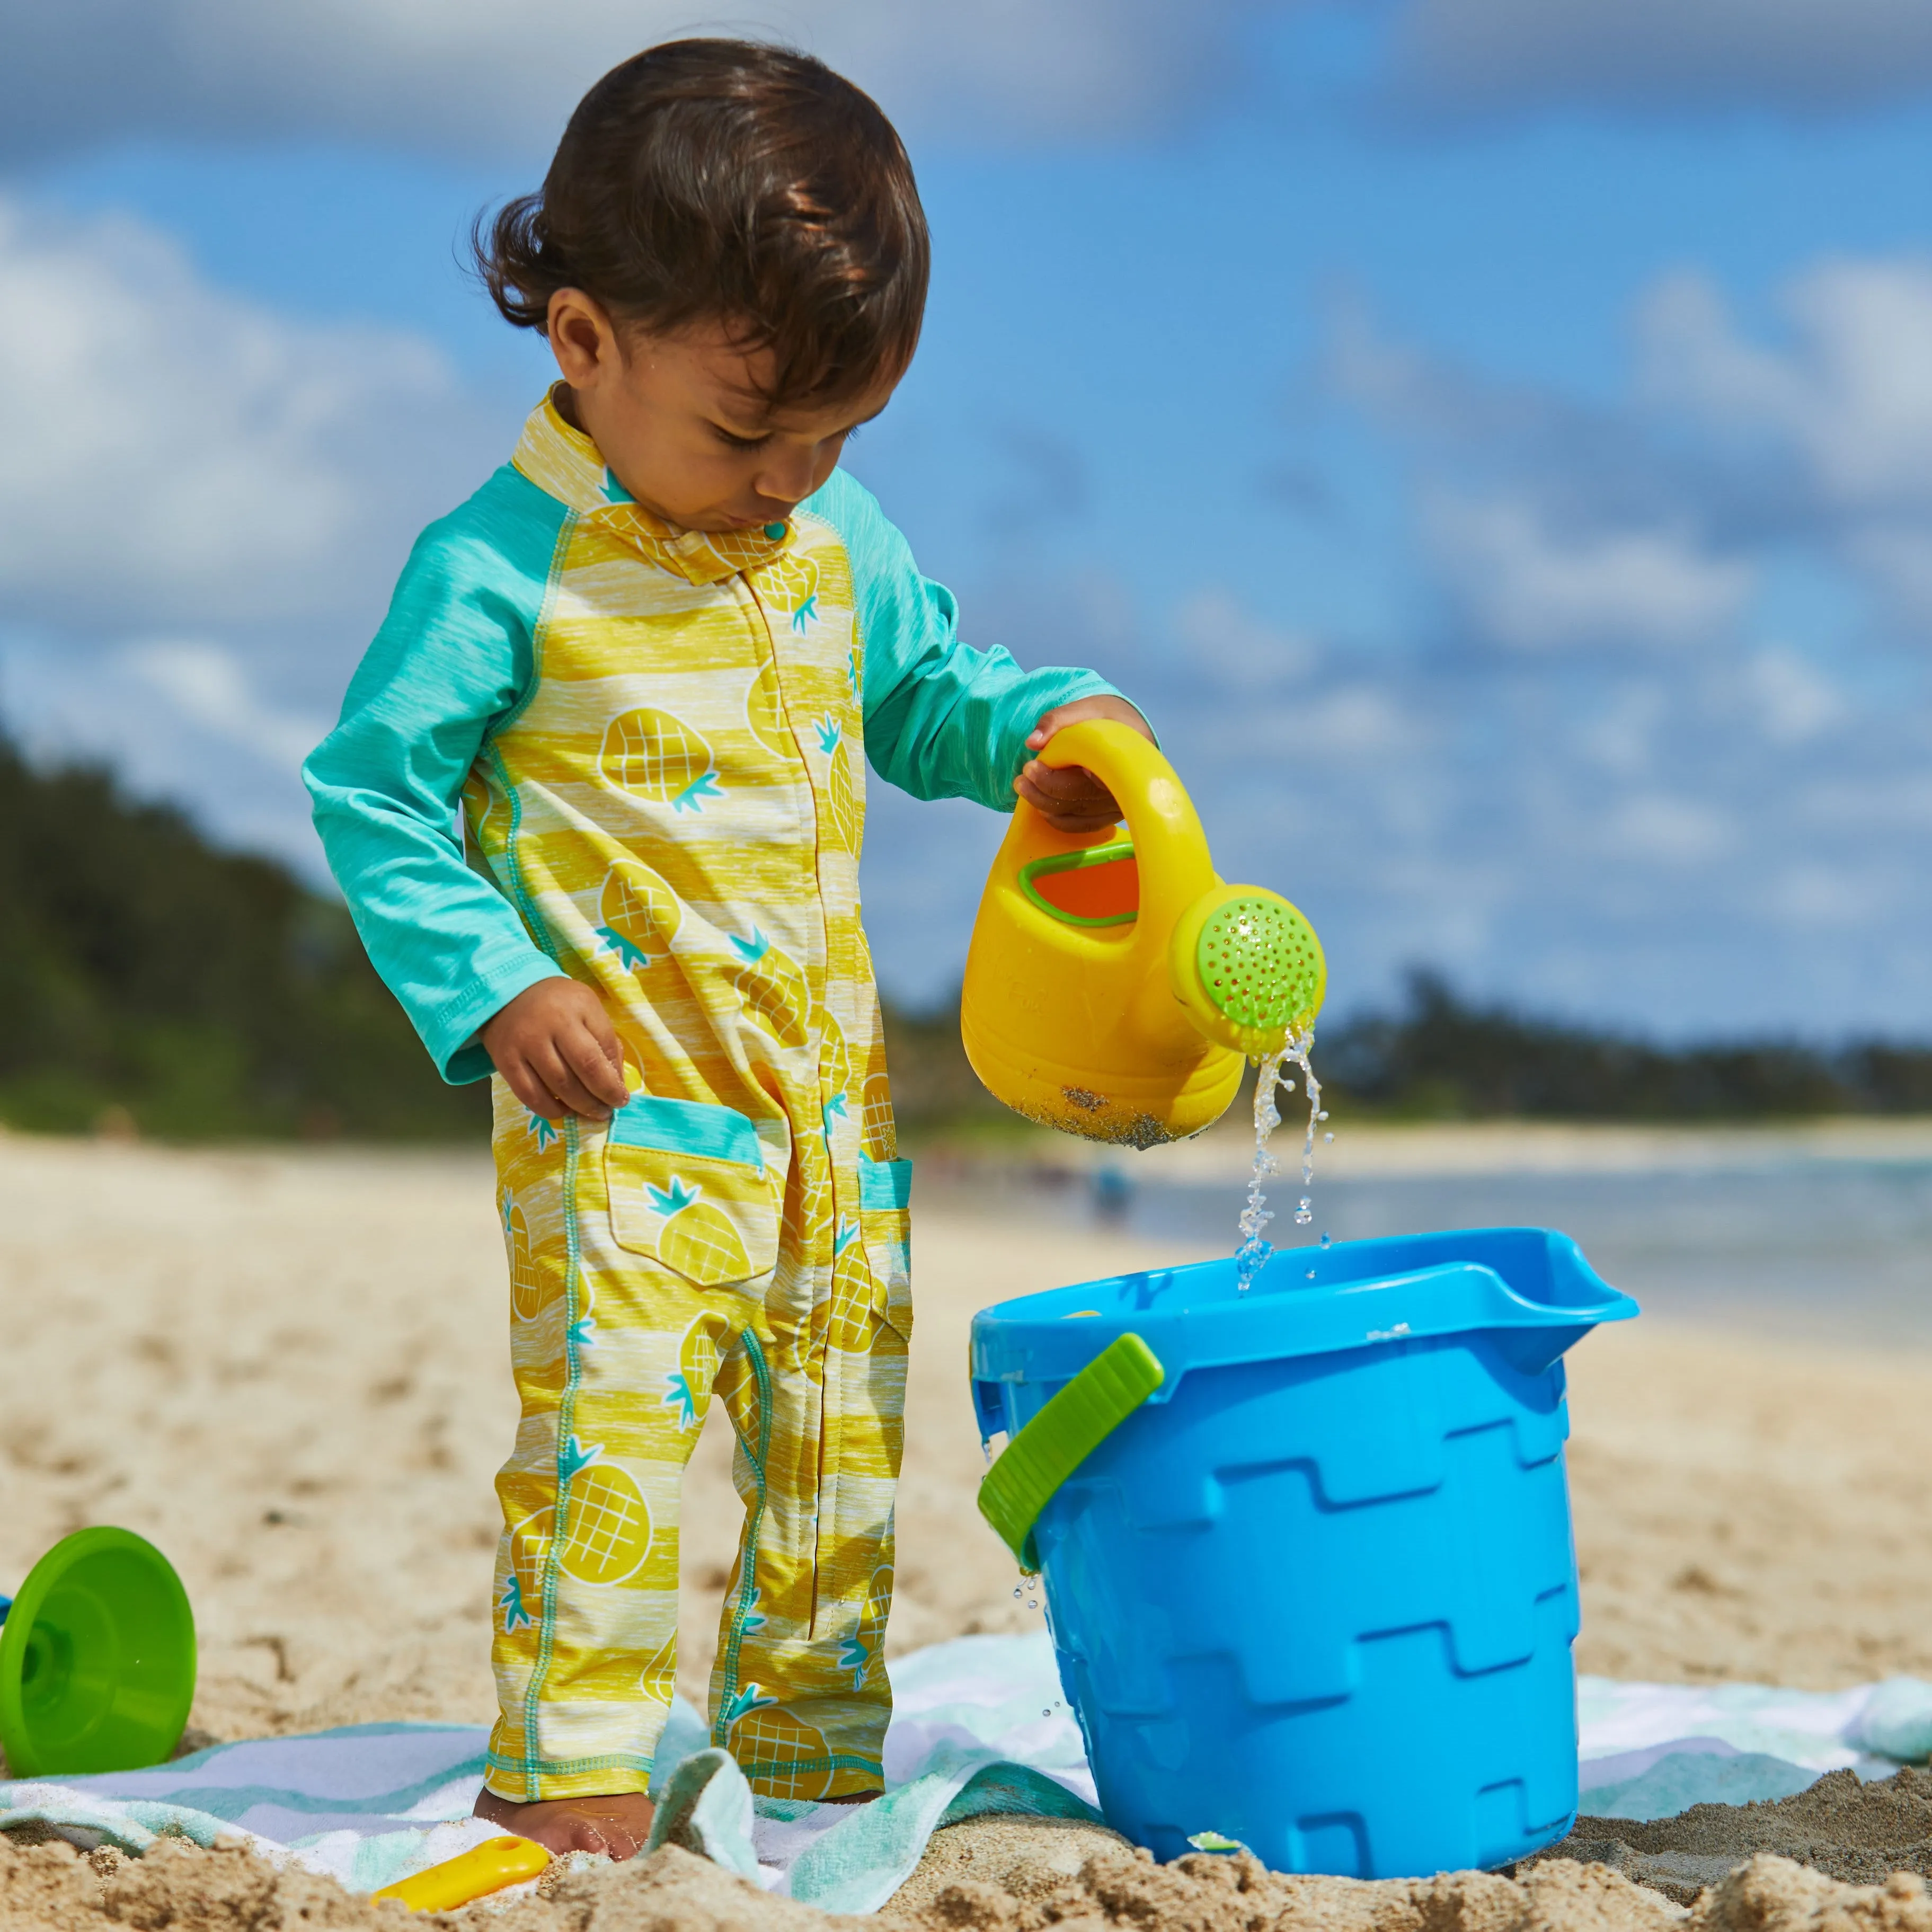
{"x": 648, "y": 663}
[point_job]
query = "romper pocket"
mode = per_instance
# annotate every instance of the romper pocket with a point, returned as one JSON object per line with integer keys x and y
{"x": 688, "y": 1189}
{"x": 885, "y": 1221}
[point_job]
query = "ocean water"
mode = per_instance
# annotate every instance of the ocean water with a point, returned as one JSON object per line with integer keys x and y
{"x": 1830, "y": 1250}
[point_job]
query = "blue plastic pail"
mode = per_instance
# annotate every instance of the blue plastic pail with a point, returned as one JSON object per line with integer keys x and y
{"x": 1317, "y": 1593}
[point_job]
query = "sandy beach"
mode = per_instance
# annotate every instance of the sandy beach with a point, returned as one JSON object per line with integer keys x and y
{"x": 287, "y": 1368}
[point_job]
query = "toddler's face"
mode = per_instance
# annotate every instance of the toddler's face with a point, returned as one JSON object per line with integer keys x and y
{"x": 679, "y": 420}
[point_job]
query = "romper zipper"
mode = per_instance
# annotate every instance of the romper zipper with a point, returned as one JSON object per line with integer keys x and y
{"x": 822, "y": 1349}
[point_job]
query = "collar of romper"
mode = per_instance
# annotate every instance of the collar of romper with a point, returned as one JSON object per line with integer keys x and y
{"x": 565, "y": 464}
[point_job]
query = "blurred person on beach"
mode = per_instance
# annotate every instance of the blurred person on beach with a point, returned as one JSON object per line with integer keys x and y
{"x": 644, "y": 668}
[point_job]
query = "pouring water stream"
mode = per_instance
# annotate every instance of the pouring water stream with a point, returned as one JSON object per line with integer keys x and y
{"x": 1252, "y": 1254}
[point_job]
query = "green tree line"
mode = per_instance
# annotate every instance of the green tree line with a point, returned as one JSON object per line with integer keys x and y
{"x": 150, "y": 981}
{"x": 1438, "y": 1055}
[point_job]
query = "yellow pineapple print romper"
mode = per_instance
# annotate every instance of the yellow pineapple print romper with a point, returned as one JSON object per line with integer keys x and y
{"x": 659, "y": 740}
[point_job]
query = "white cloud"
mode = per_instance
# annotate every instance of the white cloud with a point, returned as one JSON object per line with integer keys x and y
{"x": 1532, "y": 587}
{"x": 1668, "y": 830}
{"x": 1830, "y": 897}
{"x": 1346, "y": 721}
{"x": 1619, "y": 735}
{"x": 1660, "y": 517}
{"x": 1794, "y": 701}
{"x": 189, "y": 721}
{"x": 176, "y": 454}
{"x": 1241, "y": 652}
{"x": 499, "y": 77}
{"x": 209, "y": 688}
{"x": 1897, "y": 555}
{"x": 1850, "y": 392}
{"x": 1722, "y": 831}
{"x": 203, "y": 507}
{"x": 1804, "y": 54}
{"x": 1840, "y": 406}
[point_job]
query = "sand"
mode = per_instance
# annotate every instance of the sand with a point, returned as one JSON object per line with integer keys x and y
{"x": 50, "y": 1888}
{"x": 1861, "y": 1833}
{"x": 287, "y": 1368}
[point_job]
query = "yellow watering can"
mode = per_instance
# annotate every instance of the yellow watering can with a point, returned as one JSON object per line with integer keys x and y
{"x": 1114, "y": 986}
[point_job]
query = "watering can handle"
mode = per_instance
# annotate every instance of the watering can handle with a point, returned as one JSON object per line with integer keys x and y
{"x": 1070, "y": 1427}
{"x": 1169, "y": 846}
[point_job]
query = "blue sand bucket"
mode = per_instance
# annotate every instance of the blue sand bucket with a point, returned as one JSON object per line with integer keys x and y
{"x": 1306, "y": 1550}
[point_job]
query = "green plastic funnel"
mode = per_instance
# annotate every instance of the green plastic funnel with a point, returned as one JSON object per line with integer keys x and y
{"x": 97, "y": 1658}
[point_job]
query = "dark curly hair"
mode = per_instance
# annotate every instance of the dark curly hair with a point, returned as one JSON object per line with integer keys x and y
{"x": 732, "y": 181}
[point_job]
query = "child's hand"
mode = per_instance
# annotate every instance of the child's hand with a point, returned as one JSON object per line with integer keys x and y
{"x": 555, "y": 1045}
{"x": 1070, "y": 797}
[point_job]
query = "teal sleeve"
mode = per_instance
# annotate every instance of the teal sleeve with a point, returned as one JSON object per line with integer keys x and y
{"x": 942, "y": 719}
{"x": 454, "y": 659}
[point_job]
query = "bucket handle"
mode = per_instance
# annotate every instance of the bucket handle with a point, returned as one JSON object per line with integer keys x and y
{"x": 1068, "y": 1429}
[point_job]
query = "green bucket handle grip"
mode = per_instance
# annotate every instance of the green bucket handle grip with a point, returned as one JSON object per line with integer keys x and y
{"x": 1070, "y": 1427}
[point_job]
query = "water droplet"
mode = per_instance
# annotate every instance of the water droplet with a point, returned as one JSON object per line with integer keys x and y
{"x": 1253, "y": 1253}
{"x": 1033, "y": 1602}
{"x": 1311, "y": 1274}
{"x": 1328, "y": 1239}
{"x": 1328, "y": 1137}
{"x": 1016, "y": 1593}
{"x": 1046, "y": 1714}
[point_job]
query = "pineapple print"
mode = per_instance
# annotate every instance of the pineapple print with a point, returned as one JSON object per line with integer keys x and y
{"x": 785, "y": 1755}
{"x": 811, "y": 1201}
{"x": 617, "y": 1676}
{"x": 789, "y": 583}
{"x": 698, "y": 1239}
{"x": 878, "y": 1130}
{"x": 697, "y": 1357}
{"x": 849, "y": 1330}
{"x": 835, "y": 1057}
{"x": 640, "y": 912}
{"x": 659, "y": 757}
{"x": 658, "y": 1680}
{"x": 527, "y": 1290}
{"x": 764, "y": 715}
{"x": 610, "y": 1530}
{"x": 773, "y": 988}
{"x": 841, "y": 805}
{"x": 859, "y": 1650}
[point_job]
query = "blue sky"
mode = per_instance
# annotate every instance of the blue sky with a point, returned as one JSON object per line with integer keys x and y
{"x": 1493, "y": 441}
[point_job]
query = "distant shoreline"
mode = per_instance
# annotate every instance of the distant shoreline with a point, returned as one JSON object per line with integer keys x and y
{"x": 1386, "y": 1150}
{"x": 1364, "y": 1151}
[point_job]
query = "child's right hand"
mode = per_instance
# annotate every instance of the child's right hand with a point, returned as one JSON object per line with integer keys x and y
{"x": 556, "y": 1046}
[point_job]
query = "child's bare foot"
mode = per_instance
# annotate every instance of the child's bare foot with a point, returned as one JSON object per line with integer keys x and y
{"x": 616, "y": 1823}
